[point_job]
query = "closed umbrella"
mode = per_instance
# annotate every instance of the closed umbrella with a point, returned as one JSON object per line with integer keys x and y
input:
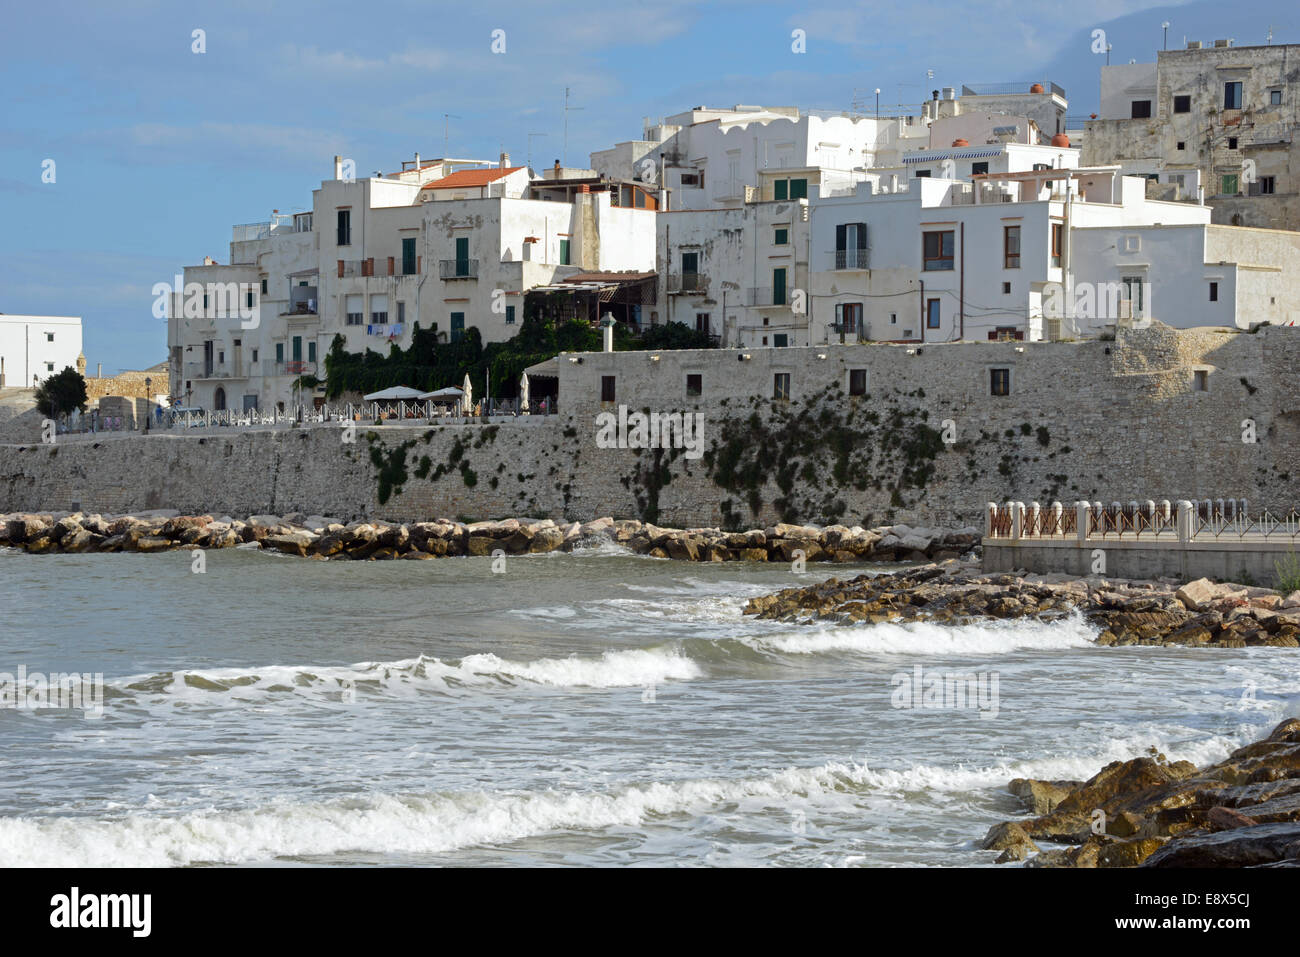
{"x": 468, "y": 389}
{"x": 523, "y": 393}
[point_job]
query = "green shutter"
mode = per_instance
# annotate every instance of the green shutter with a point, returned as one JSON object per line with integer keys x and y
{"x": 782, "y": 237}
{"x": 311, "y": 352}
{"x": 510, "y": 315}
{"x": 408, "y": 256}
{"x": 781, "y": 189}
{"x": 798, "y": 189}
{"x": 297, "y": 348}
{"x": 279, "y": 352}
{"x": 564, "y": 252}
{"x": 778, "y": 287}
{"x": 457, "y": 326}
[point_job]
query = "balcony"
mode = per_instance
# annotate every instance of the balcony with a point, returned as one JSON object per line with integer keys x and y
{"x": 246, "y": 232}
{"x": 210, "y": 370}
{"x": 761, "y": 297}
{"x": 458, "y": 268}
{"x": 851, "y": 259}
{"x": 687, "y": 282}
{"x": 289, "y": 367}
{"x": 302, "y": 301}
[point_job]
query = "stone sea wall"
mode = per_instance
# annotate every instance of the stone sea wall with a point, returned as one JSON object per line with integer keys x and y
{"x": 1155, "y": 414}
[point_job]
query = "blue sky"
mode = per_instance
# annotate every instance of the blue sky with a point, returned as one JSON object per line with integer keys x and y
{"x": 159, "y": 150}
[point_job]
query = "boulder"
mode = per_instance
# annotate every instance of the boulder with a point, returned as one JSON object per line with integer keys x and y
{"x": 1236, "y": 847}
{"x": 291, "y": 543}
{"x": 1198, "y": 595}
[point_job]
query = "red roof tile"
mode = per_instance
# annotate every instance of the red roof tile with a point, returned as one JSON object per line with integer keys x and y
{"x": 470, "y": 177}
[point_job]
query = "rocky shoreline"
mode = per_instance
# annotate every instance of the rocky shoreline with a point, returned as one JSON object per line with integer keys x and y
{"x": 1241, "y": 812}
{"x": 321, "y": 537}
{"x": 1199, "y": 613}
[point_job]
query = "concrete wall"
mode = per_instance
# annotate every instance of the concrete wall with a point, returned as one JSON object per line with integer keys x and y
{"x": 1225, "y": 561}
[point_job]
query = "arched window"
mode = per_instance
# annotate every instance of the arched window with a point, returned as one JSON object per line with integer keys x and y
{"x": 219, "y": 399}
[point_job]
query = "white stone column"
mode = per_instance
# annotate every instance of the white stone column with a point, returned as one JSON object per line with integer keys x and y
{"x": 1186, "y": 511}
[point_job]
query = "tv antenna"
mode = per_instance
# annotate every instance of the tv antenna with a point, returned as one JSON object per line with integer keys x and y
{"x": 567, "y": 110}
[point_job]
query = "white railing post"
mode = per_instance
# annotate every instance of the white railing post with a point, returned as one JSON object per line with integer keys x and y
{"x": 1017, "y": 519}
{"x": 990, "y": 515}
{"x": 1082, "y": 511}
{"x": 1185, "y": 513}
{"x": 1057, "y": 511}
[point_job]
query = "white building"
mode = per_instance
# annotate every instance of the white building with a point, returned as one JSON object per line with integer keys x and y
{"x": 451, "y": 244}
{"x": 32, "y": 348}
{"x": 1035, "y": 254}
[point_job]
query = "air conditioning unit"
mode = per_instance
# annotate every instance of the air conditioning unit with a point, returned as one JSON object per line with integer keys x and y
{"x": 1193, "y": 44}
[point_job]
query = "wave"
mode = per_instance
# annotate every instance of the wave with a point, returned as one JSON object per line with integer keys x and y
{"x": 930, "y": 638}
{"x": 432, "y": 823}
{"x": 613, "y": 669}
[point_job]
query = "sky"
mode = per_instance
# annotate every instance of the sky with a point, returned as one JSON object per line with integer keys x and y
{"x": 158, "y": 149}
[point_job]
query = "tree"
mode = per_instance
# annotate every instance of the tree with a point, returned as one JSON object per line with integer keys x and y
{"x": 61, "y": 393}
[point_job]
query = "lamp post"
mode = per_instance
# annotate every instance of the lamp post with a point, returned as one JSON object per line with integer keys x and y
{"x": 148, "y": 403}
{"x": 1165, "y": 26}
{"x": 877, "y": 103}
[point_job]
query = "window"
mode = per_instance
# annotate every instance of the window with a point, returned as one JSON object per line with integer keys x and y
{"x": 937, "y": 250}
{"x": 893, "y": 318}
{"x": 690, "y": 270}
{"x": 401, "y": 312}
{"x": 1232, "y": 142}
{"x": 780, "y": 340}
{"x": 1058, "y": 234}
{"x": 851, "y": 246}
{"x": 49, "y": 367}
{"x": 848, "y": 317}
{"x": 1214, "y": 292}
{"x": 798, "y": 189}
{"x": 379, "y": 309}
{"x": 922, "y": 174}
{"x": 1232, "y": 95}
{"x": 857, "y": 382}
{"x": 49, "y": 337}
{"x": 311, "y": 351}
{"x": 1182, "y": 104}
{"x": 781, "y": 385}
{"x": 263, "y": 287}
{"x": 248, "y": 298}
{"x": 510, "y": 315}
{"x": 782, "y": 237}
{"x": 702, "y": 322}
{"x": 1006, "y": 289}
{"x": 408, "y": 255}
{"x": 254, "y": 355}
{"x": 1274, "y": 97}
{"x": 999, "y": 382}
{"x": 345, "y": 227}
{"x": 692, "y": 179}
{"x": 607, "y": 388}
{"x": 1182, "y": 145}
{"x": 1141, "y": 109}
{"x": 279, "y": 353}
{"x": 1230, "y": 184}
{"x": 778, "y": 286}
{"x": 981, "y": 167}
{"x": 1011, "y": 247}
{"x": 1200, "y": 380}
{"x": 932, "y": 314}
{"x": 457, "y": 326}
{"x": 238, "y": 342}
{"x": 1134, "y": 292}
{"x": 1266, "y": 184}
{"x": 355, "y": 310}
{"x": 694, "y": 384}
{"x": 564, "y": 252}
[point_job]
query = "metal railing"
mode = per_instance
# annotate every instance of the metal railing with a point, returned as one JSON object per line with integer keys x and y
{"x": 1184, "y": 521}
{"x": 458, "y": 268}
{"x": 365, "y": 413}
{"x": 767, "y": 296}
{"x": 850, "y": 259}
{"x": 687, "y": 282}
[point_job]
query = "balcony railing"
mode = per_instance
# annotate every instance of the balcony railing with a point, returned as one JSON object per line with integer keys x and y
{"x": 210, "y": 370}
{"x": 760, "y": 296}
{"x": 688, "y": 282}
{"x": 293, "y": 367}
{"x": 850, "y": 259}
{"x": 458, "y": 268}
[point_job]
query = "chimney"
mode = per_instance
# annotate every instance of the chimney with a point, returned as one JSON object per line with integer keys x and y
{"x": 557, "y": 167}
{"x": 949, "y": 93}
{"x": 338, "y": 167}
{"x": 417, "y": 160}
{"x": 505, "y": 160}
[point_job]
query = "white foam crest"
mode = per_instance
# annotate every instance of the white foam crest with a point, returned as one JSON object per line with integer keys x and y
{"x": 930, "y": 638}
{"x": 613, "y": 669}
